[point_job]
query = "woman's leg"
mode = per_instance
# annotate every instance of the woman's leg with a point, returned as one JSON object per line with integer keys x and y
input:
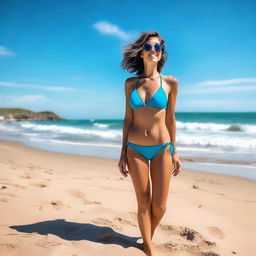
{"x": 138, "y": 168}
{"x": 161, "y": 172}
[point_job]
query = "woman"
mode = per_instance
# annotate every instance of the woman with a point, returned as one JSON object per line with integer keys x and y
{"x": 149, "y": 130}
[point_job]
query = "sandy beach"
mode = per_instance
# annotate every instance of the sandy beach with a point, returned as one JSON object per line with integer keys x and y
{"x": 63, "y": 204}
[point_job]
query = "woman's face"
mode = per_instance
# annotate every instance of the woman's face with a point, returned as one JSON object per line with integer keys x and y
{"x": 152, "y": 55}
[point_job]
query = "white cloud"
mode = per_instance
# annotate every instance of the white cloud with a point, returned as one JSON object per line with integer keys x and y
{"x": 220, "y": 86}
{"x": 107, "y": 28}
{"x": 4, "y": 52}
{"x": 29, "y": 98}
{"x": 225, "y": 89}
{"x": 47, "y": 88}
{"x": 228, "y": 81}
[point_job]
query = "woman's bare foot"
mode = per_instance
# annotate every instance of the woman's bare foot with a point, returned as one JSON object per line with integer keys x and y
{"x": 148, "y": 250}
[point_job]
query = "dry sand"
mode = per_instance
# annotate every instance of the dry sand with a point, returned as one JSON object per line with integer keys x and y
{"x": 68, "y": 205}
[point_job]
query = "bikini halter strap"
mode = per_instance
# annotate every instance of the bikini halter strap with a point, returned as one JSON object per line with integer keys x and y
{"x": 138, "y": 79}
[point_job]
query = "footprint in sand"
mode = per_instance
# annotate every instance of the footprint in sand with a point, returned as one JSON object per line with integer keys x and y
{"x": 249, "y": 201}
{"x": 106, "y": 222}
{"x": 91, "y": 202}
{"x": 127, "y": 222}
{"x": 57, "y": 205}
{"x": 186, "y": 240}
{"x": 46, "y": 243}
{"x": 4, "y": 200}
{"x": 211, "y": 253}
{"x": 25, "y": 176}
{"x": 216, "y": 232}
{"x": 48, "y": 172}
{"x": 8, "y": 246}
{"x": 20, "y": 186}
{"x": 76, "y": 193}
{"x": 40, "y": 185}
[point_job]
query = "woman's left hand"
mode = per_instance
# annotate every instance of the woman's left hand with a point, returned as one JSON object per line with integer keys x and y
{"x": 176, "y": 164}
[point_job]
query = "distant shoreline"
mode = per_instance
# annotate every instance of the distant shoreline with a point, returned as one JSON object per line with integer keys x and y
{"x": 20, "y": 114}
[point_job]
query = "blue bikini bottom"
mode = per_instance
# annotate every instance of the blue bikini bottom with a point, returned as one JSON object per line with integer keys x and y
{"x": 150, "y": 151}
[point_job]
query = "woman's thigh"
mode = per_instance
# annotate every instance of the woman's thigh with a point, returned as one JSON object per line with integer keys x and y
{"x": 138, "y": 168}
{"x": 161, "y": 171}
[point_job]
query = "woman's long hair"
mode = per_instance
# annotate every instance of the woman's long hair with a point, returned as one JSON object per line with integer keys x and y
{"x": 132, "y": 62}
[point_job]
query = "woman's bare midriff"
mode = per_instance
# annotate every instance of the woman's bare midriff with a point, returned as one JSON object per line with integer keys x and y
{"x": 148, "y": 127}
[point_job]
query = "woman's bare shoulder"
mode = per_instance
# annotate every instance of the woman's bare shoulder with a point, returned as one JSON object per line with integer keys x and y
{"x": 129, "y": 82}
{"x": 131, "y": 79}
{"x": 171, "y": 80}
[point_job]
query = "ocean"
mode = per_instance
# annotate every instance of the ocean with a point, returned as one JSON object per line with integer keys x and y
{"x": 212, "y": 142}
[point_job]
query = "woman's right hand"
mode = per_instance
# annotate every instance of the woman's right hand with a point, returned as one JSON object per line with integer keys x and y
{"x": 122, "y": 166}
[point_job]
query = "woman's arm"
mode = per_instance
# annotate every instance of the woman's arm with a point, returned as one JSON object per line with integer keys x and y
{"x": 170, "y": 112}
{"x": 128, "y": 119}
{"x": 171, "y": 122}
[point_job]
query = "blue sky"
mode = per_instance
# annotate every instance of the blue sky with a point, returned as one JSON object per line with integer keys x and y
{"x": 65, "y": 56}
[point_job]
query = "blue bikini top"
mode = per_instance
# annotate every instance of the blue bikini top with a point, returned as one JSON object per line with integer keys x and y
{"x": 157, "y": 100}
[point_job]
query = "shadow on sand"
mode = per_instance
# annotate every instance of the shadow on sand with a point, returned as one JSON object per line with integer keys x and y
{"x": 80, "y": 231}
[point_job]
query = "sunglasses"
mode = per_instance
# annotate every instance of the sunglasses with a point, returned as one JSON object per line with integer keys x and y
{"x": 148, "y": 47}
